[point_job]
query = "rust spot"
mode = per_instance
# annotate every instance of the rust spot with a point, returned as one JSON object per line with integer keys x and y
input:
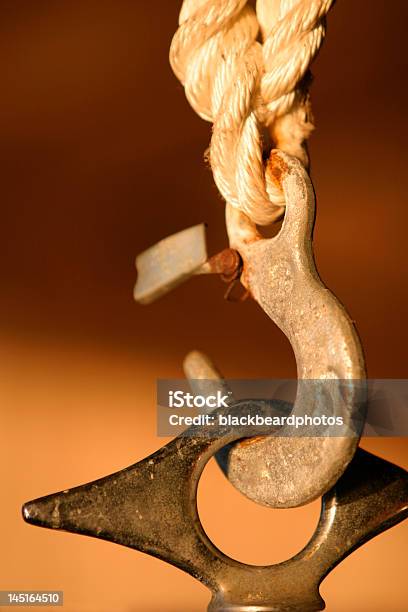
{"x": 249, "y": 441}
{"x": 276, "y": 168}
{"x": 247, "y": 276}
{"x": 236, "y": 292}
{"x": 228, "y": 263}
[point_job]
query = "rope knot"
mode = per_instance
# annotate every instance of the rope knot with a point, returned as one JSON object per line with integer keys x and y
{"x": 255, "y": 93}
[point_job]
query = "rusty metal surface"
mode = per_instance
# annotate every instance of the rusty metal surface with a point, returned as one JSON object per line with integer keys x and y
{"x": 177, "y": 258}
{"x": 152, "y": 507}
{"x": 281, "y": 275}
{"x": 228, "y": 264}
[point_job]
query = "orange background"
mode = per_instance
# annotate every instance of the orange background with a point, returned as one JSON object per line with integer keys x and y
{"x": 101, "y": 156}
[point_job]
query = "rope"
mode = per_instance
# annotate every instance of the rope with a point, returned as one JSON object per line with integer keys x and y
{"x": 255, "y": 93}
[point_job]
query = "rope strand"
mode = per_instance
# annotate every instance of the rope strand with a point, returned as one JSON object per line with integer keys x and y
{"x": 249, "y": 90}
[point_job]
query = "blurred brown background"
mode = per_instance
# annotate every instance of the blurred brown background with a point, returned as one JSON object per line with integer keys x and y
{"x": 101, "y": 156}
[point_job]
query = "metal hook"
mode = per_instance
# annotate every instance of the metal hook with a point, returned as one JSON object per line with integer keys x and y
{"x": 281, "y": 276}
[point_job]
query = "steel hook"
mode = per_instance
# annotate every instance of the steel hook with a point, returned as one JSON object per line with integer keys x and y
{"x": 281, "y": 275}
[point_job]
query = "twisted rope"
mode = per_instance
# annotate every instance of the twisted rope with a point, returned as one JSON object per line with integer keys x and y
{"x": 255, "y": 93}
